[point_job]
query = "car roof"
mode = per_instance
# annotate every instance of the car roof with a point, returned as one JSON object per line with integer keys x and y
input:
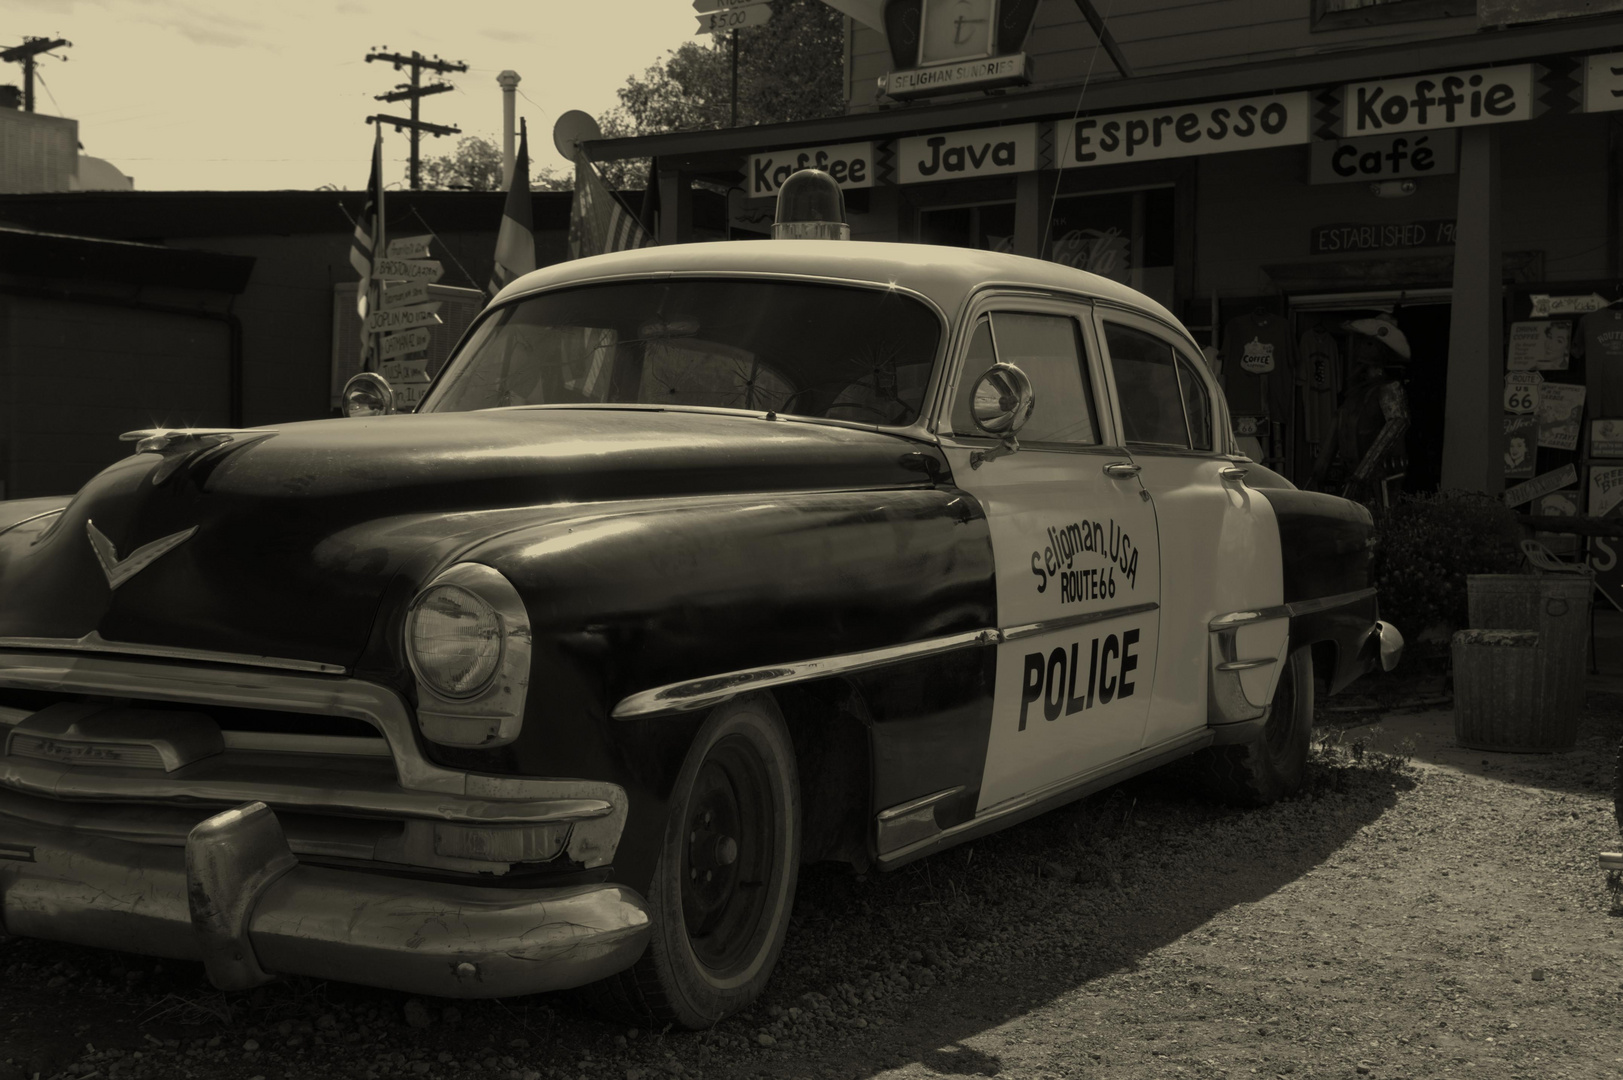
{"x": 947, "y": 275}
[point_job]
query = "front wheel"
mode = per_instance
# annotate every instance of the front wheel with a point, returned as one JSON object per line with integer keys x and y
{"x": 725, "y": 881}
{"x": 1275, "y": 765}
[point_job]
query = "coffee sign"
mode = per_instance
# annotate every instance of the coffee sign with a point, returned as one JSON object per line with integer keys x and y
{"x": 1603, "y": 82}
{"x": 1450, "y": 99}
{"x": 1186, "y": 130}
{"x": 850, "y": 164}
{"x": 954, "y": 155}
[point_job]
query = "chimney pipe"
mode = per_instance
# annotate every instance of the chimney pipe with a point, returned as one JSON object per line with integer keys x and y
{"x": 508, "y": 80}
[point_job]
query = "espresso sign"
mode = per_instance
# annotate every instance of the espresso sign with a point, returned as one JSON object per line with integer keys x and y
{"x": 1187, "y": 130}
{"x": 1384, "y": 157}
{"x": 954, "y": 155}
{"x": 850, "y": 164}
{"x": 1451, "y": 99}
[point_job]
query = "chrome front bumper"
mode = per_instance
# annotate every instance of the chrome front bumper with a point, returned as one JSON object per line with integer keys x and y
{"x": 236, "y": 899}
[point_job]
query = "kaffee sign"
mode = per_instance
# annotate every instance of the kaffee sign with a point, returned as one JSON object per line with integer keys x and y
{"x": 850, "y": 164}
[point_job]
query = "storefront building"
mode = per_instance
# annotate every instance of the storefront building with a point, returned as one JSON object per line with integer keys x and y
{"x": 1271, "y": 171}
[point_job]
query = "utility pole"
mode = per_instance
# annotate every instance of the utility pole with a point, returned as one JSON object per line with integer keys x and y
{"x": 415, "y": 91}
{"x": 24, "y": 54}
{"x": 734, "y": 119}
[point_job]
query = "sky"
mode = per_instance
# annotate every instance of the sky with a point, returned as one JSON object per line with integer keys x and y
{"x": 228, "y": 95}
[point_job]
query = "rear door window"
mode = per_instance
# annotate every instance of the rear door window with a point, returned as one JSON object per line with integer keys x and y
{"x": 1149, "y": 388}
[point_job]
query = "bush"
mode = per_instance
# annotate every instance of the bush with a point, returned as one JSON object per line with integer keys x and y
{"x": 1425, "y": 547}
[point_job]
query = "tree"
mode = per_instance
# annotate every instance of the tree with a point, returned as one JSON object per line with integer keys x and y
{"x": 790, "y": 69}
{"x": 475, "y": 165}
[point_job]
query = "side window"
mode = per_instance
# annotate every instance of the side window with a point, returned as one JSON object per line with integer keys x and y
{"x": 1048, "y": 349}
{"x": 1197, "y": 404}
{"x": 1152, "y": 399}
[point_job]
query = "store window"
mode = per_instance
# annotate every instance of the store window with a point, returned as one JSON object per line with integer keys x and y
{"x": 1339, "y": 14}
{"x": 989, "y": 226}
{"x": 1126, "y": 236}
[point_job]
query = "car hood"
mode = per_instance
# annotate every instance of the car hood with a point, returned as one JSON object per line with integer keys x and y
{"x": 284, "y": 545}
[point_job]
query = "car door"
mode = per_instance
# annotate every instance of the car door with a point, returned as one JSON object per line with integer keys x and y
{"x": 1220, "y": 550}
{"x": 1075, "y": 546}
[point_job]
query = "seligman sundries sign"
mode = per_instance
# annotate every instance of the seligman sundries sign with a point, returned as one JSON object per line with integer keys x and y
{"x": 1185, "y": 130}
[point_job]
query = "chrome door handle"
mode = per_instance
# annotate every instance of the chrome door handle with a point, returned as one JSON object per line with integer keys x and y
{"x": 1122, "y": 470}
{"x": 1232, "y": 473}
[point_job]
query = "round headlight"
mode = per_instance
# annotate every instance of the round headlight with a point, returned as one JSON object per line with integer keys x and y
{"x": 455, "y": 639}
{"x": 368, "y": 394}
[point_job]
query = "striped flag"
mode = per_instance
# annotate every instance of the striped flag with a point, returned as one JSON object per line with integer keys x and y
{"x": 515, "y": 241}
{"x": 597, "y": 221}
{"x": 368, "y": 241}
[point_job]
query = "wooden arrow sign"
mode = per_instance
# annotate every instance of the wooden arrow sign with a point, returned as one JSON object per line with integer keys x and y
{"x": 408, "y": 247}
{"x": 402, "y": 343}
{"x": 424, "y": 270}
{"x": 398, "y": 296}
{"x": 403, "y": 318}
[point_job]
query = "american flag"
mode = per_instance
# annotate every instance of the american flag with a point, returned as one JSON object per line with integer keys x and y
{"x": 368, "y": 241}
{"x": 515, "y": 242}
{"x": 597, "y": 221}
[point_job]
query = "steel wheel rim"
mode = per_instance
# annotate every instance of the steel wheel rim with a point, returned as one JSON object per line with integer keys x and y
{"x": 728, "y": 844}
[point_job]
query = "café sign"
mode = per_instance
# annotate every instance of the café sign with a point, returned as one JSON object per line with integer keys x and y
{"x": 1383, "y": 157}
{"x": 1449, "y": 99}
{"x": 1185, "y": 130}
{"x": 850, "y": 164}
{"x": 954, "y": 155}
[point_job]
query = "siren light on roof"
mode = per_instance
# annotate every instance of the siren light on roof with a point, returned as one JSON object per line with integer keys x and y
{"x": 811, "y": 206}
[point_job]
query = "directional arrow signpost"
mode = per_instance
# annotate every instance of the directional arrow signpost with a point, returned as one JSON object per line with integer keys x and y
{"x": 424, "y": 270}
{"x": 738, "y": 17}
{"x": 408, "y": 247}
{"x": 405, "y": 294}
{"x": 407, "y": 341}
{"x": 403, "y": 318}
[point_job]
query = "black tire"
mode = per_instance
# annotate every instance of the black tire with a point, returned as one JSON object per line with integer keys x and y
{"x": 725, "y": 882}
{"x": 1617, "y": 790}
{"x": 1274, "y": 766}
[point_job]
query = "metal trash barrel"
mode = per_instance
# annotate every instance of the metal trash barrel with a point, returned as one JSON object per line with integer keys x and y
{"x": 1557, "y": 607}
{"x": 1497, "y": 701}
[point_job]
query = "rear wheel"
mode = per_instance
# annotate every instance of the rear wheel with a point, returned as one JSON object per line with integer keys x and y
{"x": 1275, "y": 765}
{"x": 725, "y": 882}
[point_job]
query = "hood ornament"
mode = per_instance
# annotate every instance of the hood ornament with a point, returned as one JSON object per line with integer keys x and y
{"x": 118, "y": 570}
{"x": 178, "y": 446}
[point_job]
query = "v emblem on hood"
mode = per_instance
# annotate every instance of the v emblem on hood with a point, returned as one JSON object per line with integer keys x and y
{"x": 118, "y": 570}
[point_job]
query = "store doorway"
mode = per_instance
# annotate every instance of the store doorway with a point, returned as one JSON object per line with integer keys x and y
{"x": 1320, "y": 328}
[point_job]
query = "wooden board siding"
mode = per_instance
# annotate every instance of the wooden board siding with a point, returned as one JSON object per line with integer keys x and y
{"x": 1162, "y": 36}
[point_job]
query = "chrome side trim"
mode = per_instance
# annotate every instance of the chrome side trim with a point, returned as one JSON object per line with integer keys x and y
{"x": 31, "y": 517}
{"x": 1291, "y": 610}
{"x": 1014, "y": 633}
{"x": 1246, "y": 665}
{"x": 910, "y": 822}
{"x": 424, "y": 789}
{"x": 1029, "y": 805}
{"x": 703, "y": 693}
{"x": 94, "y": 642}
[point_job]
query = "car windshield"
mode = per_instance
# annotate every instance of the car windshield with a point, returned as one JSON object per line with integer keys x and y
{"x": 804, "y": 348}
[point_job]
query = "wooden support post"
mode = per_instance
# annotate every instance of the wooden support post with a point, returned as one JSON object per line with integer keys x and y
{"x": 1472, "y": 431}
{"x": 675, "y": 207}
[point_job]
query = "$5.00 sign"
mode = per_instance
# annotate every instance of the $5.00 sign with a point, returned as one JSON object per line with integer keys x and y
{"x": 1522, "y": 391}
{"x": 737, "y": 17}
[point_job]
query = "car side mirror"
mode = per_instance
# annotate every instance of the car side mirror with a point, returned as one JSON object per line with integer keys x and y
{"x": 368, "y": 394}
{"x": 1000, "y": 405}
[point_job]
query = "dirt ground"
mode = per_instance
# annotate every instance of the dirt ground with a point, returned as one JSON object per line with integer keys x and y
{"x": 1420, "y": 911}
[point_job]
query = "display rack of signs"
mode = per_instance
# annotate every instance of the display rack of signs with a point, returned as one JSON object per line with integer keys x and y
{"x": 403, "y": 316}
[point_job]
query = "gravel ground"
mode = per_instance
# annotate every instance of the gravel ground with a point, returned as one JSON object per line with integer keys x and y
{"x": 1419, "y": 911}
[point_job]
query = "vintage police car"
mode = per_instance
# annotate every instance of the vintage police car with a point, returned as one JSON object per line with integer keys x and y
{"x": 696, "y": 563}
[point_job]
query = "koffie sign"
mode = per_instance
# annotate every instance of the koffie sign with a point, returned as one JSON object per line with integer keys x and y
{"x": 1185, "y": 130}
{"x": 1450, "y": 99}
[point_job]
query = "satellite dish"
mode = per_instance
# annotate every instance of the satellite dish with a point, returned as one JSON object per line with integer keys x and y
{"x": 573, "y": 128}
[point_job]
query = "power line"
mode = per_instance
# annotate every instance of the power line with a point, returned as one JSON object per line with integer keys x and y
{"x": 25, "y": 55}
{"x": 414, "y": 91}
